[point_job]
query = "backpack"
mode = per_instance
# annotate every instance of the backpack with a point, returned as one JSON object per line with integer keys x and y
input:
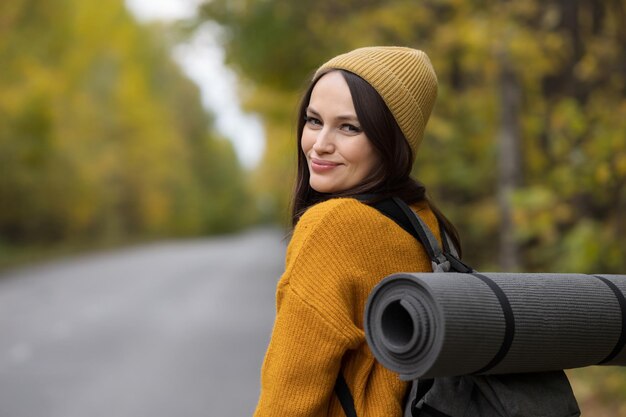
{"x": 538, "y": 394}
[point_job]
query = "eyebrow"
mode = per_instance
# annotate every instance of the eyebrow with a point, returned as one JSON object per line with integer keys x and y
{"x": 346, "y": 117}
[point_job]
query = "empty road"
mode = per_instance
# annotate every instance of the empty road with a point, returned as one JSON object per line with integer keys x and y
{"x": 172, "y": 329}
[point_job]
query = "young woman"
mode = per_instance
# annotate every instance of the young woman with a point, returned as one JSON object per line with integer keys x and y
{"x": 360, "y": 125}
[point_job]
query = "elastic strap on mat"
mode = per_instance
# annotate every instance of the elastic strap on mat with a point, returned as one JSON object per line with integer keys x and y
{"x": 622, "y": 305}
{"x": 509, "y": 323}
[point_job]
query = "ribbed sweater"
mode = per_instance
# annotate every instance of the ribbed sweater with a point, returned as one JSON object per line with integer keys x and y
{"x": 340, "y": 249}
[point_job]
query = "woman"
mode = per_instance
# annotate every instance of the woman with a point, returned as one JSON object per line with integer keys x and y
{"x": 360, "y": 124}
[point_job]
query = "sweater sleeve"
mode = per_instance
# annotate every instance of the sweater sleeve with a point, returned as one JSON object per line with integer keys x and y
{"x": 311, "y": 331}
{"x": 301, "y": 363}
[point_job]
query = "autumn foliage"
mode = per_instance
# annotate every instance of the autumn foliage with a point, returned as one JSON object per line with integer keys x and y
{"x": 565, "y": 59}
{"x": 101, "y": 136}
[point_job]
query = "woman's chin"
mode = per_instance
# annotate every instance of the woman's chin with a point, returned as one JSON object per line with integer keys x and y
{"x": 324, "y": 187}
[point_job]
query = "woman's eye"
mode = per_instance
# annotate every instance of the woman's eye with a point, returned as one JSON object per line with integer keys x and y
{"x": 351, "y": 128}
{"x": 312, "y": 121}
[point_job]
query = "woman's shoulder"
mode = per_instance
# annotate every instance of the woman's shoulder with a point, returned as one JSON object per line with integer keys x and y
{"x": 350, "y": 214}
{"x": 348, "y": 221}
{"x": 333, "y": 207}
{"x": 338, "y": 214}
{"x": 422, "y": 208}
{"x": 342, "y": 245}
{"x": 334, "y": 222}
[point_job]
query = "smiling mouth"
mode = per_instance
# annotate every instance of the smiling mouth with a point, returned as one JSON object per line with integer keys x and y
{"x": 323, "y": 163}
{"x": 320, "y": 166}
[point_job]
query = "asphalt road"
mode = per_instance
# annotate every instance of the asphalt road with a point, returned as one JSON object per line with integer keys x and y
{"x": 170, "y": 329}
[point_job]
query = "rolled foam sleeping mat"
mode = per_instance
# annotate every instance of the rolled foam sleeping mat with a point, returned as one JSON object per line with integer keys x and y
{"x": 425, "y": 325}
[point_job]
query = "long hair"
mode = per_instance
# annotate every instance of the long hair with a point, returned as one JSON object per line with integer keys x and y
{"x": 392, "y": 177}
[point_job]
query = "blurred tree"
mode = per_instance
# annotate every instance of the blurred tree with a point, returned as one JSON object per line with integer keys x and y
{"x": 101, "y": 135}
{"x": 563, "y": 62}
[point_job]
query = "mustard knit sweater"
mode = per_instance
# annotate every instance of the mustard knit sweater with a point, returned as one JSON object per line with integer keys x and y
{"x": 339, "y": 251}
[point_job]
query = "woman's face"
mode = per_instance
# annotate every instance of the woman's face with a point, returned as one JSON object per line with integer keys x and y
{"x": 338, "y": 153}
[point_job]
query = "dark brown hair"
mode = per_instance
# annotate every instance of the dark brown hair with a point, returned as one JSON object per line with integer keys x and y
{"x": 392, "y": 175}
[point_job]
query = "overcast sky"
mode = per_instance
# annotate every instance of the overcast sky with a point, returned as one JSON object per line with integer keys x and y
{"x": 202, "y": 59}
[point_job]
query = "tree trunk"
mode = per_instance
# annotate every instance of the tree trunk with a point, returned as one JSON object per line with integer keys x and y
{"x": 509, "y": 160}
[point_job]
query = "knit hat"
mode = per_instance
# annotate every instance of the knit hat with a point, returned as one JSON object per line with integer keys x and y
{"x": 403, "y": 77}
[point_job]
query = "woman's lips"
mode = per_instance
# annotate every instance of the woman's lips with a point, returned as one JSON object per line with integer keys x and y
{"x": 321, "y": 166}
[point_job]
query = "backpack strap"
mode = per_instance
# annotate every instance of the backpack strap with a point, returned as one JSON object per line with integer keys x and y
{"x": 342, "y": 391}
{"x": 419, "y": 388}
{"x": 446, "y": 260}
{"x": 425, "y": 236}
{"x": 442, "y": 260}
{"x": 398, "y": 211}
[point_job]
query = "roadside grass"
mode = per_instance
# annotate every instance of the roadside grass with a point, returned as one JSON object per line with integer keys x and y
{"x": 600, "y": 390}
{"x": 15, "y": 256}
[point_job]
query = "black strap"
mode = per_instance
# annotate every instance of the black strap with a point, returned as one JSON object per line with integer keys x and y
{"x": 347, "y": 402}
{"x": 417, "y": 227}
{"x": 398, "y": 211}
{"x": 345, "y": 396}
{"x": 456, "y": 265}
{"x": 395, "y": 212}
{"x": 424, "y": 410}
{"x": 403, "y": 216}
{"x": 509, "y": 323}
{"x": 423, "y": 386}
{"x": 622, "y": 305}
{"x": 428, "y": 411}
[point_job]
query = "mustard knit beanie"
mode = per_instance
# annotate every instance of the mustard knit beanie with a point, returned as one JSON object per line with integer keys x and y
{"x": 403, "y": 77}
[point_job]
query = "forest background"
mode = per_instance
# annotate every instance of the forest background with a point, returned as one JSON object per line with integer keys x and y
{"x": 103, "y": 140}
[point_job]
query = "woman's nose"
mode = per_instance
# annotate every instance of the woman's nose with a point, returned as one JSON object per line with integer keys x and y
{"x": 324, "y": 142}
